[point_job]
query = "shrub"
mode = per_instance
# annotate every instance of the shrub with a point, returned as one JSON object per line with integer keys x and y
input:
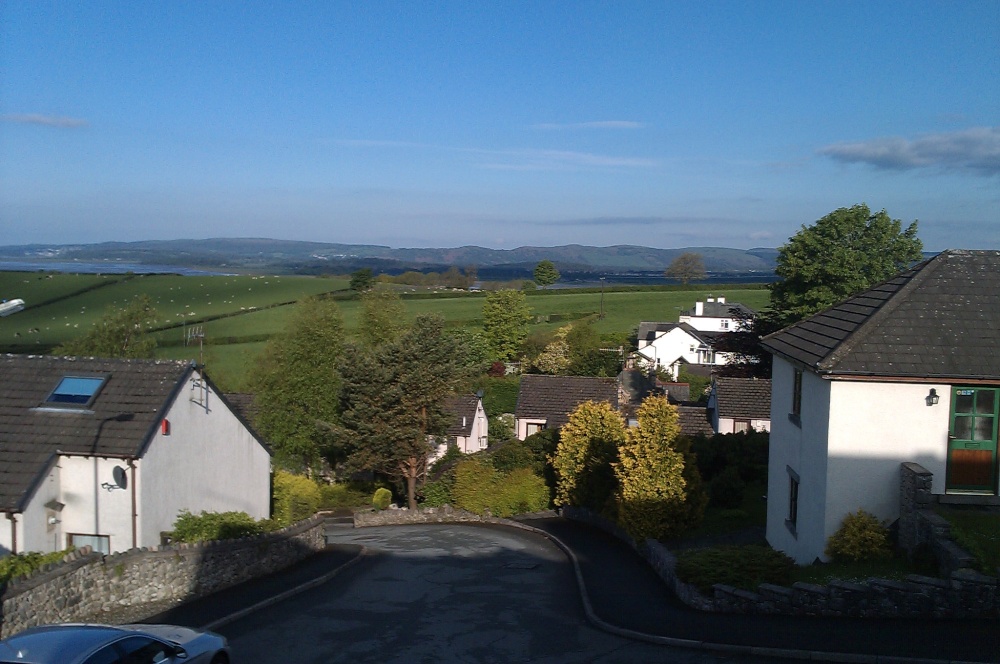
{"x": 382, "y": 498}
{"x": 474, "y": 483}
{"x": 726, "y": 490}
{"x": 741, "y": 566}
{"x": 22, "y": 564}
{"x": 296, "y": 497}
{"x": 210, "y": 526}
{"x": 515, "y": 454}
{"x": 338, "y": 496}
{"x": 519, "y": 492}
{"x": 861, "y": 536}
{"x": 587, "y": 448}
{"x": 437, "y": 493}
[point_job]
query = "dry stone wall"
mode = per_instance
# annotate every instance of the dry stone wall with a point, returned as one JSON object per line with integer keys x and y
{"x": 87, "y": 585}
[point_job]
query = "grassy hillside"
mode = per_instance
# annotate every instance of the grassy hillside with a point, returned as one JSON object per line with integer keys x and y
{"x": 238, "y": 314}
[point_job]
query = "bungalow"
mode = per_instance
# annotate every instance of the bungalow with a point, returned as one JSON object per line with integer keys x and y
{"x": 469, "y": 428}
{"x": 908, "y": 371}
{"x": 740, "y": 404}
{"x": 545, "y": 402}
{"x": 106, "y": 453}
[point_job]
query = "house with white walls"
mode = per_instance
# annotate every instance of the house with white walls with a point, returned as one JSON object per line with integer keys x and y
{"x": 908, "y": 371}
{"x": 737, "y": 405}
{"x": 107, "y": 452}
{"x": 545, "y": 402}
{"x": 716, "y": 315}
{"x": 672, "y": 346}
{"x": 469, "y": 429}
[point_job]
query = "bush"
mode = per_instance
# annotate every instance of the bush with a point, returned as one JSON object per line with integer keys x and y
{"x": 436, "y": 494}
{"x": 339, "y": 496}
{"x": 480, "y": 487}
{"x": 22, "y": 564}
{"x": 474, "y": 482}
{"x": 515, "y": 454}
{"x": 296, "y": 497}
{"x": 210, "y": 526}
{"x": 861, "y": 536}
{"x": 744, "y": 451}
{"x": 382, "y": 498}
{"x": 741, "y": 566}
{"x": 726, "y": 490}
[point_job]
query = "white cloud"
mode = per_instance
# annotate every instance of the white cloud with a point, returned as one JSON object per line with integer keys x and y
{"x": 976, "y": 149}
{"x": 45, "y": 120}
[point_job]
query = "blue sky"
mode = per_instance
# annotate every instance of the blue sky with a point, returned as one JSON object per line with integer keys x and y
{"x": 499, "y": 124}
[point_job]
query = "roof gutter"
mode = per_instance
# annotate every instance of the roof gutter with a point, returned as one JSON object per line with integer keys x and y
{"x": 877, "y": 378}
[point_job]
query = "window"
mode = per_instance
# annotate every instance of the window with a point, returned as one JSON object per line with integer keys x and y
{"x": 793, "y": 500}
{"x": 76, "y": 390}
{"x": 533, "y": 428}
{"x": 99, "y": 543}
{"x": 796, "y": 414}
{"x": 741, "y": 426}
{"x": 725, "y": 324}
{"x": 106, "y": 655}
{"x": 143, "y": 650}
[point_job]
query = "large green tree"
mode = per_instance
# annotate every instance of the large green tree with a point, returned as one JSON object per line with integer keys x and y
{"x": 588, "y": 446}
{"x": 296, "y": 382}
{"x": 121, "y": 332}
{"x": 842, "y": 254}
{"x": 392, "y": 400}
{"x": 505, "y": 322}
{"x": 686, "y": 268}
{"x": 545, "y": 273}
{"x": 383, "y": 316}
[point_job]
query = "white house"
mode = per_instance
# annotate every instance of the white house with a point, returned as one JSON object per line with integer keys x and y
{"x": 469, "y": 430}
{"x": 740, "y": 404}
{"x": 716, "y": 315}
{"x": 908, "y": 371}
{"x": 106, "y": 452}
{"x": 545, "y": 402}
{"x": 670, "y": 346}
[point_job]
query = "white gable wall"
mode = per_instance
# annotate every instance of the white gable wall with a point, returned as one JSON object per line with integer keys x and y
{"x": 208, "y": 462}
{"x": 34, "y": 533}
{"x": 669, "y": 348}
{"x": 803, "y": 450}
{"x": 90, "y": 508}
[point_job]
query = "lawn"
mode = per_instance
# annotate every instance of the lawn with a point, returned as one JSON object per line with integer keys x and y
{"x": 978, "y": 532}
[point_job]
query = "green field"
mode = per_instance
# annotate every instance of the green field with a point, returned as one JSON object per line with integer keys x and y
{"x": 236, "y": 314}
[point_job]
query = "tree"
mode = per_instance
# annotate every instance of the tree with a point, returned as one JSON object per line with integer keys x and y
{"x": 363, "y": 279}
{"x": 121, "y": 332}
{"x": 588, "y": 446}
{"x": 545, "y": 273}
{"x": 555, "y": 358}
{"x": 653, "y": 497}
{"x": 383, "y": 316}
{"x": 844, "y": 253}
{"x": 686, "y": 267}
{"x": 296, "y": 382}
{"x": 392, "y": 401}
{"x": 505, "y": 322}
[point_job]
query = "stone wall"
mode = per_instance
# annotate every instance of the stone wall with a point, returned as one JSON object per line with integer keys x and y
{"x": 402, "y": 517}
{"x": 87, "y": 585}
{"x": 961, "y": 593}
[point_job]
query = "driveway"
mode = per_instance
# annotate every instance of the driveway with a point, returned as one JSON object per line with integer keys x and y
{"x": 442, "y": 593}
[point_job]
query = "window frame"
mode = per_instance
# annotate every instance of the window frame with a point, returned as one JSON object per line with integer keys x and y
{"x": 795, "y": 416}
{"x": 52, "y": 399}
{"x": 101, "y": 538}
{"x": 792, "y": 515}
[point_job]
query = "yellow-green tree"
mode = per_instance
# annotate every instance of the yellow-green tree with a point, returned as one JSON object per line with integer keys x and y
{"x": 121, "y": 332}
{"x": 588, "y": 446}
{"x": 652, "y": 490}
{"x": 383, "y": 316}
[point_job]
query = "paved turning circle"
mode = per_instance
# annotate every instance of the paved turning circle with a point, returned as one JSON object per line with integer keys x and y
{"x": 442, "y": 593}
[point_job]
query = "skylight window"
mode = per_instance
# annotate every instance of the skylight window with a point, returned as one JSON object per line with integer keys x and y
{"x": 76, "y": 390}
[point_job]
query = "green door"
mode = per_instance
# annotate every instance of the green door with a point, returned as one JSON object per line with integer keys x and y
{"x": 972, "y": 440}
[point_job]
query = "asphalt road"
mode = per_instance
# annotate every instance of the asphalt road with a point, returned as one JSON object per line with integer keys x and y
{"x": 443, "y": 593}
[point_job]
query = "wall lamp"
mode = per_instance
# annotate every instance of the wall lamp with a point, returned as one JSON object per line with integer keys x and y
{"x": 932, "y": 398}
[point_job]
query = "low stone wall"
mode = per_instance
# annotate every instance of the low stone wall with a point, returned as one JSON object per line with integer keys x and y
{"x": 86, "y": 584}
{"x": 963, "y": 593}
{"x": 443, "y": 514}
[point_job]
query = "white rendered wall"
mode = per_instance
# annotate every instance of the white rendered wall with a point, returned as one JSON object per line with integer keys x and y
{"x": 803, "y": 449}
{"x": 91, "y": 509}
{"x": 873, "y": 428}
{"x": 208, "y": 462}
{"x": 710, "y": 323}
{"x": 522, "y": 426}
{"x": 34, "y": 533}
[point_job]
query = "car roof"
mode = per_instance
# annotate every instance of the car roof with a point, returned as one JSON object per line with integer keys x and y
{"x": 59, "y": 643}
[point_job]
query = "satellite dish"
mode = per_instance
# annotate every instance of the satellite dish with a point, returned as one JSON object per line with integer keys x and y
{"x": 121, "y": 479}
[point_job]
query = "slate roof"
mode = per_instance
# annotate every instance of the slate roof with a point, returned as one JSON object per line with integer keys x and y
{"x": 649, "y": 331}
{"x": 694, "y": 421}
{"x": 938, "y": 320}
{"x": 461, "y": 405}
{"x": 31, "y": 436}
{"x": 743, "y": 398}
{"x": 720, "y": 310}
{"x": 553, "y": 398}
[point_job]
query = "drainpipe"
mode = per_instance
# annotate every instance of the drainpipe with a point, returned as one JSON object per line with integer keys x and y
{"x": 131, "y": 467}
{"x": 13, "y": 533}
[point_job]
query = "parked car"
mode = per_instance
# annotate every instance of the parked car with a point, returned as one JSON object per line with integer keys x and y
{"x": 106, "y": 644}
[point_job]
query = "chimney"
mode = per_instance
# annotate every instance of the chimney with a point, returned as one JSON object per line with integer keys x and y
{"x": 699, "y": 308}
{"x": 721, "y": 299}
{"x": 463, "y": 421}
{"x": 710, "y": 299}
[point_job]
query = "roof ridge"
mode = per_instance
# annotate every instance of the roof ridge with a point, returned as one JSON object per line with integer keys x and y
{"x": 917, "y": 275}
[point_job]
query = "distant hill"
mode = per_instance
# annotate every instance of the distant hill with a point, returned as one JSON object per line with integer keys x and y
{"x": 311, "y": 257}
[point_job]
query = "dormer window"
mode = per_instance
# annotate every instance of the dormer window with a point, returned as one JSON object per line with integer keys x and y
{"x": 76, "y": 390}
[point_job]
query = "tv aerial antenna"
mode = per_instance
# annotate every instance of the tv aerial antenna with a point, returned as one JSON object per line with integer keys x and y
{"x": 196, "y": 333}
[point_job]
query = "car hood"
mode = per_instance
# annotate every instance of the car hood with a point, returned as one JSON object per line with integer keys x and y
{"x": 173, "y": 633}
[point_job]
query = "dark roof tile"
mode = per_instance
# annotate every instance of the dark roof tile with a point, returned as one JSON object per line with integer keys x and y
{"x": 553, "y": 398}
